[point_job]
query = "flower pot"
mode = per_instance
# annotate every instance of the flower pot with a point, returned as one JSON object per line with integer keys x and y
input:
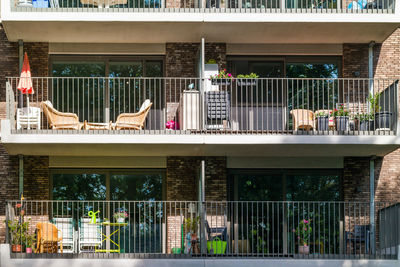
{"x": 304, "y": 250}
{"x": 341, "y": 123}
{"x": 364, "y": 125}
{"x": 28, "y": 250}
{"x": 222, "y": 81}
{"x": 323, "y": 123}
{"x": 383, "y": 120}
{"x": 246, "y": 82}
{"x": 16, "y": 248}
{"x": 120, "y": 220}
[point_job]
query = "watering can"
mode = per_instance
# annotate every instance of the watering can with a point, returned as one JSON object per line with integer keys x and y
{"x": 92, "y": 216}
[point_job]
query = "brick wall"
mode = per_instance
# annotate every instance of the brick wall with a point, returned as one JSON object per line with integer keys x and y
{"x": 182, "y": 185}
{"x": 38, "y": 54}
{"x": 181, "y": 60}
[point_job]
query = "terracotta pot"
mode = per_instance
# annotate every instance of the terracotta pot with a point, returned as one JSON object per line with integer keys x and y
{"x": 194, "y": 236}
{"x": 28, "y": 250}
{"x": 16, "y": 248}
{"x": 304, "y": 250}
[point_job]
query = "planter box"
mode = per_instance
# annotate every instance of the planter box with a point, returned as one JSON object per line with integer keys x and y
{"x": 383, "y": 120}
{"x": 341, "y": 123}
{"x": 323, "y": 123}
{"x": 364, "y": 125}
{"x": 246, "y": 82}
{"x": 221, "y": 81}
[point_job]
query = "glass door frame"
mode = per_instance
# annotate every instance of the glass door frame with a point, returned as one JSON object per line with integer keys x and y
{"x": 108, "y": 173}
{"x": 232, "y": 178}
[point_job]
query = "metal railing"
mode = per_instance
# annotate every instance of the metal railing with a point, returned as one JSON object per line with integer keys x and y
{"x": 336, "y": 106}
{"x": 291, "y": 229}
{"x": 206, "y": 6}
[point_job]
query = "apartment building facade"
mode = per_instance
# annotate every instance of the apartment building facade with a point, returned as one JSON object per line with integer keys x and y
{"x": 218, "y": 132}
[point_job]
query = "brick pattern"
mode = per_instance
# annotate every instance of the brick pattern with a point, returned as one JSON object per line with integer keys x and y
{"x": 182, "y": 185}
{"x": 36, "y": 181}
{"x": 181, "y": 60}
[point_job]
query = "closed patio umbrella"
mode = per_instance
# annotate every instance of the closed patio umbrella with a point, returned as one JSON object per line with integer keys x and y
{"x": 25, "y": 82}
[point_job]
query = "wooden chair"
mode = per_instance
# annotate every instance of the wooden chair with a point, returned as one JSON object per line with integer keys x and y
{"x": 133, "y": 121}
{"x": 59, "y": 120}
{"x": 47, "y": 238}
{"x": 303, "y": 119}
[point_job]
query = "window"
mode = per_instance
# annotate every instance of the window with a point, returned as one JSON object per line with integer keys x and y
{"x": 84, "y": 89}
{"x": 290, "y": 185}
{"x": 92, "y": 184}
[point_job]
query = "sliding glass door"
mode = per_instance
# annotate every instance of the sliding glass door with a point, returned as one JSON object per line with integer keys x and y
{"x": 272, "y": 202}
{"x": 84, "y": 90}
{"x": 136, "y": 193}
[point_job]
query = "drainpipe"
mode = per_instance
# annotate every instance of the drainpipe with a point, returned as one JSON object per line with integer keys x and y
{"x": 21, "y": 62}
{"x": 372, "y": 203}
{"x": 21, "y": 175}
{"x": 203, "y": 241}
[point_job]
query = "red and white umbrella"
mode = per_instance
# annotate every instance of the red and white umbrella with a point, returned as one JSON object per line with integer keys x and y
{"x": 25, "y": 82}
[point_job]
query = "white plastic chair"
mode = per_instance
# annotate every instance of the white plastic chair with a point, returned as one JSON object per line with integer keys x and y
{"x": 90, "y": 235}
{"x": 67, "y": 232}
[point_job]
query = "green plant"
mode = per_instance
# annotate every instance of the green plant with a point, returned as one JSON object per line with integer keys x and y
{"x": 373, "y": 100}
{"x": 341, "y": 112}
{"x": 247, "y": 76}
{"x": 192, "y": 224}
{"x": 211, "y": 61}
{"x": 321, "y": 114}
{"x": 364, "y": 116}
{"x": 303, "y": 232}
{"x": 222, "y": 75}
{"x": 29, "y": 240}
{"x": 18, "y": 231}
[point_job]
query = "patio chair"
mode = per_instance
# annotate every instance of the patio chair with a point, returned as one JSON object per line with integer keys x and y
{"x": 90, "y": 235}
{"x": 358, "y": 237}
{"x": 48, "y": 239}
{"x": 67, "y": 233}
{"x": 133, "y": 121}
{"x": 59, "y": 120}
{"x": 303, "y": 119}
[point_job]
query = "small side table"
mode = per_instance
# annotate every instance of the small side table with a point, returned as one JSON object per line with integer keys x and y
{"x": 96, "y": 126}
{"x": 28, "y": 118}
{"x": 108, "y": 235}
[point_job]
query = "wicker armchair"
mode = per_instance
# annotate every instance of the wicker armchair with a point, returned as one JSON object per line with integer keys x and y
{"x": 59, "y": 120}
{"x": 303, "y": 119}
{"x": 47, "y": 238}
{"x": 133, "y": 121}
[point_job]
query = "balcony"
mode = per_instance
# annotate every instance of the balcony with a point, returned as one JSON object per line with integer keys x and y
{"x": 192, "y": 116}
{"x": 294, "y": 21}
{"x": 187, "y": 229}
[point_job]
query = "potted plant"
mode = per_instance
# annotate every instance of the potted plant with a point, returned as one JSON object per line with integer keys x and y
{"x": 15, "y": 234}
{"x": 341, "y": 118}
{"x": 322, "y": 121}
{"x": 192, "y": 225}
{"x": 383, "y": 119}
{"x": 222, "y": 78}
{"x": 29, "y": 240}
{"x": 303, "y": 233}
{"x": 120, "y": 216}
{"x": 364, "y": 121}
{"x": 247, "y": 79}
